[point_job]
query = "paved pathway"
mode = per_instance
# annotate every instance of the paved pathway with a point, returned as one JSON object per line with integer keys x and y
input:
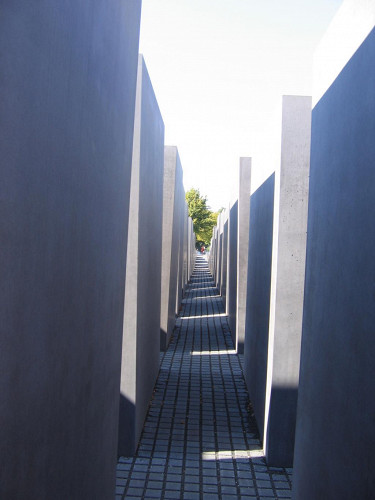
{"x": 199, "y": 440}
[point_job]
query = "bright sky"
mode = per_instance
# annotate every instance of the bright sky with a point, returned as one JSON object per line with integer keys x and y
{"x": 219, "y": 69}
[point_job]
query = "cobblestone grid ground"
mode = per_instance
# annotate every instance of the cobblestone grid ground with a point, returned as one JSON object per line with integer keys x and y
{"x": 199, "y": 440}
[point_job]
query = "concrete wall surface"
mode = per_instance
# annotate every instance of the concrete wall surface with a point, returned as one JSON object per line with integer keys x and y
{"x": 67, "y": 101}
{"x": 232, "y": 269}
{"x": 242, "y": 249}
{"x": 219, "y": 250}
{"x": 335, "y": 433}
{"x": 171, "y": 242}
{"x": 224, "y": 260}
{"x": 180, "y": 200}
{"x": 287, "y": 281}
{"x": 258, "y": 296}
{"x": 185, "y": 248}
{"x": 140, "y": 349}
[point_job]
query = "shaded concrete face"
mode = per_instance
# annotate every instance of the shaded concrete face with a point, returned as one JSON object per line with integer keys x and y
{"x": 232, "y": 269}
{"x": 186, "y": 248}
{"x": 287, "y": 282}
{"x": 67, "y": 110}
{"x": 243, "y": 249}
{"x": 140, "y": 350}
{"x": 335, "y": 421}
{"x": 171, "y": 242}
{"x": 180, "y": 207}
{"x": 258, "y": 296}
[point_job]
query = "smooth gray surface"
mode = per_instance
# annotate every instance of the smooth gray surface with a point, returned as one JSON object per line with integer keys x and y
{"x": 191, "y": 248}
{"x": 232, "y": 269}
{"x": 140, "y": 349}
{"x": 335, "y": 436}
{"x": 180, "y": 200}
{"x": 219, "y": 251}
{"x": 67, "y": 94}
{"x": 224, "y": 261}
{"x": 243, "y": 249}
{"x": 258, "y": 296}
{"x": 171, "y": 241}
{"x": 288, "y": 279}
{"x": 185, "y": 278}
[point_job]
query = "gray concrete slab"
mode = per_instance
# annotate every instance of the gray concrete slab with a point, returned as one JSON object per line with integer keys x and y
{"x": 67, "y": 91}
{"x": 224, "y": 259}
{"x": 185, "y": 278}
{"x": 232, "y": 269}
{"x": 141, "y": 342}
{"x": 180, "y": 200}
{"x": 191, "y": 247}
{"x": 171, "y": 242}
{"x": 258, "y": 297}
{"x": 335, "y": 432}
{"x": 287, "y": 281}
{"x": 242, "y": 249}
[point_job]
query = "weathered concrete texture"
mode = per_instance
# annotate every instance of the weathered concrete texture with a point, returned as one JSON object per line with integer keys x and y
{"x": 140, "y": 349}
{"x": 335, "y": 435}
{"x": 258, "y": 296}
{"x": 242, "y": 249}
{"x": 68, "y": 78}
{"x": 171, "y": 242}
{"x": 287, "y": 282}
{"x": 232, "y": 269}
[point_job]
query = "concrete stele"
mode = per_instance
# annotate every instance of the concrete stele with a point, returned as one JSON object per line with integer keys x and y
{"x": 335, "y": 432}
{"x": 231, "y": 305}
{"x": 140, "y": 349}
{"x": 68, "y": 80}
{"x": 242, "y": 249}
{"x": 258, "y": 297}
{"x": 171, "y": 242}
{"x": 287, "y": 282}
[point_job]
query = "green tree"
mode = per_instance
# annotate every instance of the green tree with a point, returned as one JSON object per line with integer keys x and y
{"x": 203, "y": 218}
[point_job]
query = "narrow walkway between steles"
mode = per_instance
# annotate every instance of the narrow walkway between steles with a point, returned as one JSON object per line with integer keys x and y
{"x": 199, "y": 440}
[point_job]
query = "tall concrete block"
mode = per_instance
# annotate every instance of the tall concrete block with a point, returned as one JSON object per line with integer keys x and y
{"x": 258, "y": 297}
{"x": 191, "y": 255}
{"x": 185, "y": 248}
{"x": 242, "y": 249}
{"x": 287, "y": 282}
{"x": 171, "y": 242}
{"x": 213, "y": 254}
{"x": 140, "y": 349}
{"x": 232, "y": 268}
{"x": 335, "y": 432}
{"x": 180, "y": 197}
{"x": 67, "y": 89}
{"x": 224, "y": 258}
{"x": 219, "y": 250}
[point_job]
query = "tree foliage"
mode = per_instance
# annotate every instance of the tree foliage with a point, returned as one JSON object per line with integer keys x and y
{"x": 203, "y": 218}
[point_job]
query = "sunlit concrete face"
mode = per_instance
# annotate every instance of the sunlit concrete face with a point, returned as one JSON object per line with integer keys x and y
{"x": 68, "y": 77}
{"x": 140, "y": 349}
{"x": 287, "y": 281}
{"x": 334, "y": 455}
{"x": 232, "y": 269}
{"x": 171, "y": 242}
{"x": 242, "y": 249}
